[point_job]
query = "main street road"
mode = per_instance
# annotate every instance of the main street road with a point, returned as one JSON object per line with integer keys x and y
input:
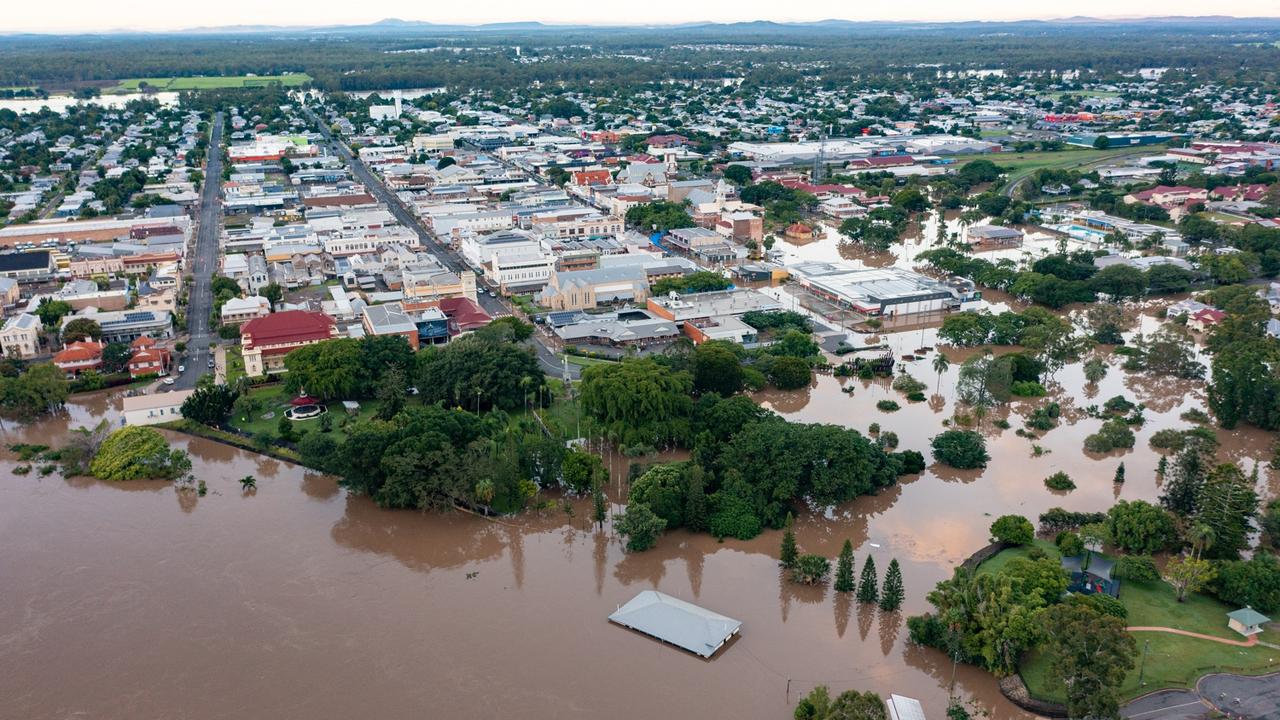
{"x": 203, "y": 260}
{"x": 551, "y": 363}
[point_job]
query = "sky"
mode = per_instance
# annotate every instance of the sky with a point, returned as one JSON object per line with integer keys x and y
{"x": 96, "y": 16}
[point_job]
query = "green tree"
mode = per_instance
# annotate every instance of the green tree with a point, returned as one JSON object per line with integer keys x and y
{"x": 662, "y": 490}
{"x": 695, "y": 508}
{"x": 329, "y": 370}
{"x": 1095, "y": 370}
{"x": 1138, "y": 568}
{"x": 82, "y": 328}
{"x": 738, "y": 174}
{"x": 1188, "y": 574}
{"x": 640, "y": 526}
{"x": 599, "y": 507}
{"x": 789, "y": 373}
{"x": 940, "y": 366}
{"x": 138, "y": 453}
{"x": 582, "y": 471}
{"x": 1227, "y": 503}
{"x": 892, "y": 592}
{"x": 962, "y": 449}
{"x": 788, "y": 555}
{"x": 273, "y": 293}
{"x": 638, "y": 401}
{"x": 717, "y": 369}
{"x": 50, "y": 311}
{"x": 1089, "y": 655}
{"x": 209, "y": 405}
{"x": 42, "y": 388}
{"x": 1013, "y": 529}
{"x": 115, "y": 357}
{"x": 1139, "y": 527}
{"x": 844, "y": 569}
{"x": 476, "y": 372}
{"x": 1250, "y": 583}
{"x": 867, "y": 590}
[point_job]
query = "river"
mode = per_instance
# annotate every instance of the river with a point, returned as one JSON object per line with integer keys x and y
{"x": 139, "y": 601}
{"x": 60, "y": 103}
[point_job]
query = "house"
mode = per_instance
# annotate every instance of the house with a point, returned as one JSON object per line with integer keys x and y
{"x": 153, "y": 409}
{"x": 1247, "y": 621}
{"x": 798, "y": 231}
{"x": 148, "y": 358}
{"x": 904, "y": 708}
{"x": 79, "y": 356}
{"x": 241, "y": 310}
{"x": 20, "y": 336}
{"x": 266, "y": 340}
{"x": 1206, "y": 319}
{"x": 592, "y": 177}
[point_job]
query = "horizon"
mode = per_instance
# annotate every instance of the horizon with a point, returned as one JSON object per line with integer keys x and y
{"x": 150, "y": 17}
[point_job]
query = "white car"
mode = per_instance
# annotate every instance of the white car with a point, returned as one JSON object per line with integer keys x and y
{"x": 182, "y": 369}
{"x": 167, "y": 381}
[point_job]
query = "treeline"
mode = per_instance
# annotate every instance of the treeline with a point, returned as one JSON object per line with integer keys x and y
{"x": 1060, "y": 279}
{"x": 750, "y": 469}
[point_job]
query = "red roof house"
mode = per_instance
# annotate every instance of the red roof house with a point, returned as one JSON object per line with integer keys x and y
{"x": 266, "y": 340}
{"x": 78, "y": 356}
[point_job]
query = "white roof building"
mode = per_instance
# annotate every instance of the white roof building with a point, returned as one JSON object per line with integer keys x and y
{"x": 674, "y": 621}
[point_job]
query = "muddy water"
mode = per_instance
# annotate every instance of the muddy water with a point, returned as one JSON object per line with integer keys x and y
{"x": 137, "y": 601}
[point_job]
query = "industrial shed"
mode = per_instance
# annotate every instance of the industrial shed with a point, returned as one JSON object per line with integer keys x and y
{"x": 674, "y": 621}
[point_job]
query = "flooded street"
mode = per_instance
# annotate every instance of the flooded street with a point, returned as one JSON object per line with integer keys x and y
{"x": 137, "y": 601}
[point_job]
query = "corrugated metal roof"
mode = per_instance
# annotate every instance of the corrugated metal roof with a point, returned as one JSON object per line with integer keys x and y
{"x": 672, "y": 620}
{"x": 904, "y": 708}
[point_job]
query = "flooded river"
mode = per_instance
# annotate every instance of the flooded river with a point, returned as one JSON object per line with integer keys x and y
{"x": 137, "y": 601}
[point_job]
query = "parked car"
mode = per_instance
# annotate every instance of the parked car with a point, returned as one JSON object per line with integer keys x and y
{"x": 167, "y": 381}
{"x": 182, "y": 369}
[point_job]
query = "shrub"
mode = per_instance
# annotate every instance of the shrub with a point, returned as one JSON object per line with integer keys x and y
{"x": 887, "y": 406}
{"x": 1027, "y": 388}
{"x": 1139, "y": 568}
{"x": 906, "y": 384}
{"x": 1254, "y": 583}
{"x": 1056, "y": 519}
{"x": 961, "y": 449}
{"x": 136, "y": 452}
{"x": 1114, "y": 433}
{"x": 916, "y": 397}
{"x": 1069, "y": 544}
{"x": 640, "y": 526}
{"x": 22, "y": 470}
{"x": 912, "y": 461}
{"x": 1102, "y": 603}
{"x": 811, "y": 569}
{"x": 789, "y": 373}
{"x": 1012, "y": 529}
{"x": 1059, "y": 481}
{"x": 733, "y": 517}
{"x": 1197, "y": 416}
{"x": 927, "y": 630}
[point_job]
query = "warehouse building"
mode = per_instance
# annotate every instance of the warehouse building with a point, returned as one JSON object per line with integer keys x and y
{"x": 882, "y": 291}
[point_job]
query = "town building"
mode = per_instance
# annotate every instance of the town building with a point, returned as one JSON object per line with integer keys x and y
{"x": 28, "y": 267}
{"x": 881, "y": 291}
{"x": 154, "y": 408}
{"x": 149, "y": 358}
{"x": 20, "y": 336}
{"x": 265, "y": 341}
{"x": 78, "y": 356}
{"x": 241, "y": 310}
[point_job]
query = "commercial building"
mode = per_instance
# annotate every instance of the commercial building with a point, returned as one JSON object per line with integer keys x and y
{"x": 881, "y": 291}
{"x": 582, "y": 289}
{"x": 706, "y": 245}
{"x": 265, "y": 341}
{"x": 625, "y": 328}
{"x": 28, "y": 267}
{"x": 127, "y": 325}
{"x": 153, "y": 409}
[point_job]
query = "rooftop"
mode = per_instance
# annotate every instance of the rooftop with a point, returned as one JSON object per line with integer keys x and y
{"x": 674, "y": 621}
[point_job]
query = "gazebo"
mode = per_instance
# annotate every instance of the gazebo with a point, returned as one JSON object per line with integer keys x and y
{"x": 1095, "y": 578}
{"x": 1247, "y": 621}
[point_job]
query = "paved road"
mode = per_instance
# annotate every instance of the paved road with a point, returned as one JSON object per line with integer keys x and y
{"x": 203, "y": 260}
{"x": 551, "y": 363}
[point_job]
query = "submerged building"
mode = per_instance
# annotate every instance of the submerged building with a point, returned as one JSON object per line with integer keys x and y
{"x": 882, "y": 291}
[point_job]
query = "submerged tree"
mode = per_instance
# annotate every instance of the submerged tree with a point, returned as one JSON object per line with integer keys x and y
{"x": 844, "y": 569}
{"x": 867, "y": 591}
{"x": 891, "y": 594}
{"x": 788, "y": 554}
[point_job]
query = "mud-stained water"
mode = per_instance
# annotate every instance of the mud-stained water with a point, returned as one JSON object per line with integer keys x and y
{"x": 137, "y": 601}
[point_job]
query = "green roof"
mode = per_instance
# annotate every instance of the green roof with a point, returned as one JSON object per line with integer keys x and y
{"x": 1248, "y": 617}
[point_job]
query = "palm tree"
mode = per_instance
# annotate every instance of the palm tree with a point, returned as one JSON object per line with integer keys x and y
{"x": 1201, "y": 537}
{"x": 940, "y": 365}
{"x": 485, "y": 490}
{"x": 247, "y": 483}
{"x": 525, "y": 382}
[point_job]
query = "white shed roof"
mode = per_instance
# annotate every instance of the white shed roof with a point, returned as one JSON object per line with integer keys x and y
{"x": 675, "y": 621}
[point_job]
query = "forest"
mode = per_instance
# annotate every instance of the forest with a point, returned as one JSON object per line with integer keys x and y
{"x": 835, "y": 53}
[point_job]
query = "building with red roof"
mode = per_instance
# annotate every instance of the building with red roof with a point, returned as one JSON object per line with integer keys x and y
{"x": 78, "y": 356}
{"x": 266, "y": 340}
{"x": 149, "y": 358}
{"x": 592, "y": 177}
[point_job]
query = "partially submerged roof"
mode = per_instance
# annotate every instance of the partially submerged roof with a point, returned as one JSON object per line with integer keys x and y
{"x": 675, "y": 621}
{"x": 904, "y": 708}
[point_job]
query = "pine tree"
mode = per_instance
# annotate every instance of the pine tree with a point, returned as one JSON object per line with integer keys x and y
{"x": 787, "y": 557}
{"x": 844, "y": 569}
{"x": 892, "y": 592}
{"x": 1162, "y": 467}
{"x": 867, "y": 591}
{"x": 1119, "y": 478}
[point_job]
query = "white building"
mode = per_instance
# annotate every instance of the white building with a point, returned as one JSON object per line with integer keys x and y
{"x": 153, "y": 409}
{"x": 510, "y": 259}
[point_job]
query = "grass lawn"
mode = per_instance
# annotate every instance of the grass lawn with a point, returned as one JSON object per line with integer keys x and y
{"x": 1067, "y": 158}
{"x": 586, "y": 361}
{"x": 1172, "y": 660}
{"x": 210, "y": 83}
{"x": 563, "y": 414}
{"x": 235, "y": 365}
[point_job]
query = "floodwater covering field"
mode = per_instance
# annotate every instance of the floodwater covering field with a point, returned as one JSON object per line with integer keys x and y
{"x": 136, "y": 600}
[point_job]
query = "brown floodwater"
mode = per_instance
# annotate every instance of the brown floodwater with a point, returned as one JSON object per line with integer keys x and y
{"x": 137, "y": 600}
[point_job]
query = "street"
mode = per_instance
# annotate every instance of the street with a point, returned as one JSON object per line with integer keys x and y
{"x": 551, "y": 362}
{"x": 202, "y": 262}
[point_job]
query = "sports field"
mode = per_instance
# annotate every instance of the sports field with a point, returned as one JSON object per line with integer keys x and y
{"x": 209, "y": 83}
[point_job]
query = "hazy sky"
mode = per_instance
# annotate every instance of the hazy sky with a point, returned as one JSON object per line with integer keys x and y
{"x": 93, "y": 15}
